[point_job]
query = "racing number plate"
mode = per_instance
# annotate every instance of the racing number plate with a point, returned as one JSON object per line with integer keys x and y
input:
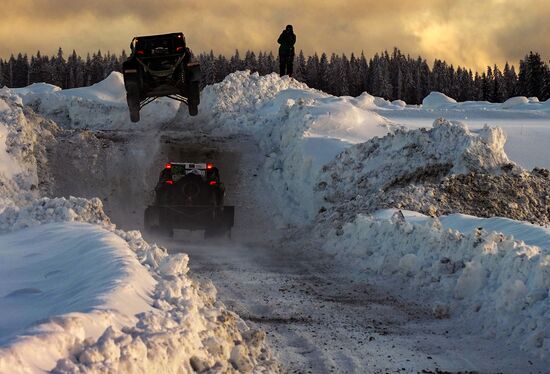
{"x": 202, "y": 173}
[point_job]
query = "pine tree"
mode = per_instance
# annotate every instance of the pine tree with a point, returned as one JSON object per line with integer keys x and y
{"x": 36, "y": 69}
{"x": 487, "y": 88}
{"x": 342, "y": 82}
{"x": 478, "y": 87}
{"x": 313, "y": 71}
{"x": 300, "y": 68}
{"x": 2, "y": 77}
{"x": 272, "y": 62}
{"x": 236, "y": 63}
{"x": 333, "y": 86}
{"x": 363, "y": 73}
{"x": 250, "y": 62}
{"x": 532, "y": 75}
{"x": 58, "y": 70}
{"x": 380, "y": 73}
{"x": 323, "y": 71}
{"x": 510, "y": 81}
{"x": 498, "y": 85}
{"x": 208, "y": 68}
{"x": 221, "y": 68}
{"x": 354, "y": 76}
{"x": 19, "y": 71}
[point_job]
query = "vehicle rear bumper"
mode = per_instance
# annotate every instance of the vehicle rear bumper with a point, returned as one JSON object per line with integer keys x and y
{"x": 190, "y": 217}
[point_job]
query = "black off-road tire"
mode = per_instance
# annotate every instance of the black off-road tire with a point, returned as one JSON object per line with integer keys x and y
{"x": 150, "y": 221}
{"x": 193, "y": 99}
{"x": 152, "y": 226}
{"x": 132, "y": 97}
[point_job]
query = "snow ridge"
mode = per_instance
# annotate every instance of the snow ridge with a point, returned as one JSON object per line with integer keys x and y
{"x": 299, "y": 130}
{"x": 183, "y": 330}
{"x": 487, "y": 279}
{"x": 408, "y": 157}
{"x": 22, "y": 151}
{"x": 100, "y": 106}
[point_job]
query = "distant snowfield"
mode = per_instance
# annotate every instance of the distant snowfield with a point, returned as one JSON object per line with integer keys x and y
{"x": 525, "y": 122}
{"x": 63, "y": 256}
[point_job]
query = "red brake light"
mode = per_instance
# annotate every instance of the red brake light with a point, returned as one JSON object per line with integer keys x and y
{"x": 169, "y": 181}
{"x": 141, "y": 53}
{"x": 209, "y": 166}
{"x": 179, "y": 49}
{"x": 168, "y": 166}
{"x": 213, "y": 183}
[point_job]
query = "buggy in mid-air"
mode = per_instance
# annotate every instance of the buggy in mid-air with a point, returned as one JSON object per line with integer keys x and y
{"x": 161, "y": 65}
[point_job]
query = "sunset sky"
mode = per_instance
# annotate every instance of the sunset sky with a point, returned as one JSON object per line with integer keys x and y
{"x": 470, "y": 33}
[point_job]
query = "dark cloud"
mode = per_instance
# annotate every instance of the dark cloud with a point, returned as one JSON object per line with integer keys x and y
{"x": 466, "y": 32}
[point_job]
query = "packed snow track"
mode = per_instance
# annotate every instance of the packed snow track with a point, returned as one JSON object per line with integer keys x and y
{"x": 318, "y": 316}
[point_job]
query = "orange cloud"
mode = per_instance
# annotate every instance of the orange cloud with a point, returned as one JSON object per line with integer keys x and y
{"x": 466, "y": 32}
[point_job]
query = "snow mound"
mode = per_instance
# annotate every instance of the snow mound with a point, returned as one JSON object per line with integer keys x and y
{"x": 234, "y": 103}
{"x": 515, "y": 101}
{"x": 515, "y": 194}
{"x": 399, "y": 103}
{"x": 46, "y": 210}
{"x": 492, "y": 282}
{"x": 101, "y": 106}
{"x": 141, "y": 312}
{"x": 78, "y": 295}
{"x": 437, "y": 100}
{"x": 299, "y": 130}
{"x": 22, "y": 150}
{"x": 76, "y": 270}
{"x": 243, "y": 91}
{"x": 408, "y": 157}
{"x": 37, "y": 89}
{"x": 109, "y": 90}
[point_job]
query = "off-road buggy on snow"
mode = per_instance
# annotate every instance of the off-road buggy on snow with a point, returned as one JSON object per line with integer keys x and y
{"x": 189, "y": 196}
{"x": 160, "y": 65}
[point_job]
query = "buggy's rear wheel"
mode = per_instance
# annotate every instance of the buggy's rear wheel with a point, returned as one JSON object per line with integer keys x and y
{"x": 134, "y": 113}
{"x": 132, "y": 97}
{"x": 151, "y": 223}
{"x": 193, "y": 98}
{"x": 193, "y": 109}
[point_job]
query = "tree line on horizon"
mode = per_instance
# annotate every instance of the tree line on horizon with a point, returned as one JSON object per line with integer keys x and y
{"x": 392, "y": 76}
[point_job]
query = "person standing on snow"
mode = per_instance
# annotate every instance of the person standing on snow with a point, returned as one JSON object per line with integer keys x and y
{"x": 286, "y": 50}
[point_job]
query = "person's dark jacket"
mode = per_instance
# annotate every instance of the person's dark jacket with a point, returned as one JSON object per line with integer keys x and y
{"x": 287, "y": 41}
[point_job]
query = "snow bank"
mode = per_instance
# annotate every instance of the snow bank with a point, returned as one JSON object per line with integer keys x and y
{"x": 492, "y": 282}
{"x": 437, "y": 100}
{"x": 85, "y": 275}
{"x": 403, "y": 158}
{"x": 515, "y": 101}
{"x": 298, "y": 128}
{"x": 514, "y": 107}
{"x": 78, "y": 295}
{"x": 123, "y": 304}
{"x": 36, "y": 89}
{"x": 399, "y": 103}
{"x": 100, "y": 106}
{"x": 22, "y": 150}
{"x": 132, "y": 309}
